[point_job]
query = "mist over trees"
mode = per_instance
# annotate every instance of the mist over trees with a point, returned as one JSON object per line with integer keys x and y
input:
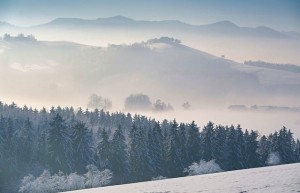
{"x": 161, "y": 106}
{"x": 143, "y": 102}
{"x": 98, "y": 102}
{"x": 95, "y": 148}
{"x": 138, "y": 102}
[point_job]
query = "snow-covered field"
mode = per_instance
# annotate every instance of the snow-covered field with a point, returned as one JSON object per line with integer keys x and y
{"x": 283, "y": 179}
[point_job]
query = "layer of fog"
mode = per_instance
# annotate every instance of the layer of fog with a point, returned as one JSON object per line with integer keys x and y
{"x": 45, "y": 74}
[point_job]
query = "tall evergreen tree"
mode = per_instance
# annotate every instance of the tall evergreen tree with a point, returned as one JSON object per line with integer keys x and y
{"x": 207, "y": 137}
{"x": 251, "y": 146}
{"x": 139, "y": 157}
{"x": 297, "y": 150}
{"x": 235, "y": 147}
{"x": 285, "y": 140}
{"x": 104, "y": 151}
{"x": 264, "y": 148}
{"x": 119, "y": 158}
{"x": 24, "y": 138}
{"x": 220, "y": 147}
{"x": 59, "y": 145}
{"x": 182, "y": 145}
{"x": 193, "y": 143}
{"x": 83, "y": 150}
{"x": 173, "y": 157}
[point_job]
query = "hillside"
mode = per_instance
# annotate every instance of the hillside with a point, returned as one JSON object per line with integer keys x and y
{"x": 275, "y": 179}
{"x": 220, "y": 38}
{"x": 162, "y": 67}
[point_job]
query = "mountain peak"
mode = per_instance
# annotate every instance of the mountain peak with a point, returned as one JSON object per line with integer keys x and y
{"x": 224, "y": 23}
{"x": 117, "y": 18}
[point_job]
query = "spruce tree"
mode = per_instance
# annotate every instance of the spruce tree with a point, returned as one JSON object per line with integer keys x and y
{"x": 59, "y": 145}
{"x": 104, "y": 151}
{"x": 83, "y": 150}
{"x": 173, "y": 157}
{"x": 220, "y": 147}
{"x": 297, "y": 150}
{"x": 251, "y": 145}
{"x": 193, "y": 143}
{"x": 264, "y": 148}
{"x": 207, "y": 137}
{"x": 119, "y": 158}
{"x": 24, "y": 138}
{"x": 139, "y": 155}
{"x": 285, "y": 140}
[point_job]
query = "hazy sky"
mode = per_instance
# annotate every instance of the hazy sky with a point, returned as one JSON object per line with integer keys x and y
{"x": 278, "y": 14}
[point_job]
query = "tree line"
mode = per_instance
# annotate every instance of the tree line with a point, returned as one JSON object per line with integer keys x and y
{"x": 133, "y": 147}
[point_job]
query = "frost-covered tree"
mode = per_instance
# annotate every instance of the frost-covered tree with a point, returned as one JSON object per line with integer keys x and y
{"x": 24, "y": 138}
{"x": 83, "y": 150}
{"x": 119, "y": 157}
{"x": 207, "y": 141}
{"x": 220, "y": 147}
{"x": 273, "y": 159}
{"x": 180, "y": 142}
{"x": 263, "y": 149}
{"x": 74, "y": 182}
{"x": 203, "y": 167}
{"x": 59, "y": 145}
{"x": 104, "y": 150}
{"x": 173, "y": 156}
{"x": 193, "y": 143}
{"x": 155, "y": 146}
{"x": 297, "y": 150}
{"x": 285, "y": 140}
{"x": 95, "y": 178}
{"x": 251, "y": 154}
{"x": 139, "y": 155}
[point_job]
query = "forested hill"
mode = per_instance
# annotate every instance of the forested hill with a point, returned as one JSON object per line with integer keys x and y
{"x": 133, "y": 147}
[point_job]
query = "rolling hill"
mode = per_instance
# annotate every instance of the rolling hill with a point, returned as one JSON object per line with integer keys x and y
{"x": 163, "y": 67}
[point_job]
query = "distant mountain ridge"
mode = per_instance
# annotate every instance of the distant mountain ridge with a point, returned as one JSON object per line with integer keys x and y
{"x": 221, "y": 27}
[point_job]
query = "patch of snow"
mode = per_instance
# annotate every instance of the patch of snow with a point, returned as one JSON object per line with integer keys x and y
{"x": 283, "y": 178}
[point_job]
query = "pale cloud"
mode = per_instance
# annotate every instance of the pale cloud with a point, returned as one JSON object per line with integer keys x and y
{"x": 28, "y": 67}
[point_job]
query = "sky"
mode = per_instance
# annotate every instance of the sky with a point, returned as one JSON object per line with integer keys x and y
{"x": 282, "y": 15}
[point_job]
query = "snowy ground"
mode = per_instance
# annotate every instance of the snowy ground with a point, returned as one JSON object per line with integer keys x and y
{"x": 284, "y": 178}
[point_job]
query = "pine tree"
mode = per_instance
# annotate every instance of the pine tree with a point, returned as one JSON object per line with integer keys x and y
{"x": 182, "y": 145}
{"x": 24, "y": 138}
{"x": 207, "y": 137}
{"x": 173, "y": 157}
{"x": 264, "y": 148}
{"x": 83, "y": 150}
{"x": 220, "y": 147}
{"x": 193, "y": 143}
{"x": 251, "y": 145}
{"x": 104, "y": 151}
{"x": 119, "y": 158}
{"x": 285, "y": 140}
{"x": 297, "y": 150}
{"x": 236, "y": 159}
{"x": 59, "y": 145}
{"x": 139, "y": 157}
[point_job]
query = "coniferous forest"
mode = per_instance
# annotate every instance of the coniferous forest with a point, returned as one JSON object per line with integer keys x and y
{"x": 128, "y": 148}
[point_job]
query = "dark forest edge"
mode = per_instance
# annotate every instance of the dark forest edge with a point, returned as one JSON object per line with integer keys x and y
{"x": 124, "y": 148}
